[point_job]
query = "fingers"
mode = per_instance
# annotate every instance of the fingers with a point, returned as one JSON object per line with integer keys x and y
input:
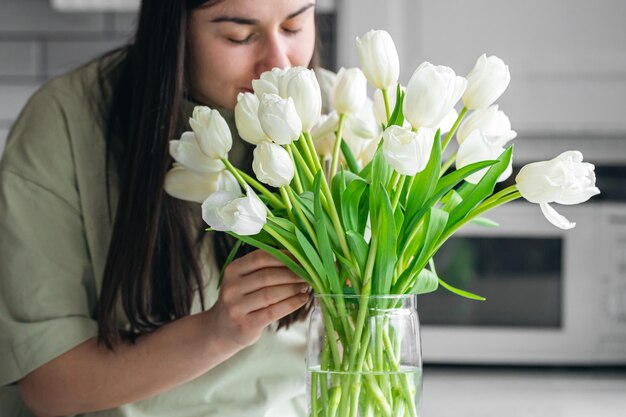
{"x": 254, "y": 261}
{"x": 270, "y": 314}
{"x": 269, "y": 296}
{"x": 268, "y": 277}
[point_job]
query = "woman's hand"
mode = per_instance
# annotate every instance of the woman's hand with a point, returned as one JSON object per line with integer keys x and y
{"x": 257, "y": 290}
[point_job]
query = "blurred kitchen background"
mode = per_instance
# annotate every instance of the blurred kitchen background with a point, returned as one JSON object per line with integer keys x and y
{"x": 551, "y": 338}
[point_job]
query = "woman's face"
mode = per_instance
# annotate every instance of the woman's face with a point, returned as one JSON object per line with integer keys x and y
{"x": 233, "y": 42}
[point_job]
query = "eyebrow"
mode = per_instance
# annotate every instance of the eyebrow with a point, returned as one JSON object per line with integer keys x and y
{"x": 250, "y": 22}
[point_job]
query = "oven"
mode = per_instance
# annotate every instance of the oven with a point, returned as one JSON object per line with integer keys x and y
{"x": 552, "y": 296}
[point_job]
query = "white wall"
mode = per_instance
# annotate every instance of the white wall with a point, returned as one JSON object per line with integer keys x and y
{"x": 567, "y": 57}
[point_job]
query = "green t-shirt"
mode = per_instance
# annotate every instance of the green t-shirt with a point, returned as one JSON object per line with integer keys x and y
{"x": 54, "y": 235}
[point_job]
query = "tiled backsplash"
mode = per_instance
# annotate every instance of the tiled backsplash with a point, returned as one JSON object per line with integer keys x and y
{"x": 37, "y": 43}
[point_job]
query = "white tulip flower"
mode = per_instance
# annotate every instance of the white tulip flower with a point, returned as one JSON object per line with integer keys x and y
{"x": 301, "y": 85}
{"x": 188, "y": 185}
{"x": 187, "y": 152}
{"x": 406, "y": 151}
{"x": 486, "y": 82}
{"x": 350, "y": 91}
{"x": 378, "y": 59}
{"x": 212, "y": 132}
{"x": 227, "y": 211}
{"x": 269, "y": 82}
{"x": 279, "y": 119}
{"x": 478, "y": 147}
{"x": 362, "y": 149}
{"x": 491, "y": 121}
{"x": 323, "y": 134}
{"x": 326, "y": 80}
{"x": 565, "y": 179}
{"x": 431, "y": 93}
{"x": 272, "y": 165}
{"x": 379, "y": 105}
{"x": 363, "y": 123}
{"x": 446, "y": 124}
{"x": 247, "y": 119}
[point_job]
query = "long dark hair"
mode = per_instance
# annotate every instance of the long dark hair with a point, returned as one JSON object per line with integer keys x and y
{"x": 153, "y": 268}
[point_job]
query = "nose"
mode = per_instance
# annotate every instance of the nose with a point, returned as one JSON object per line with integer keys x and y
{"x": 273, "y": 53}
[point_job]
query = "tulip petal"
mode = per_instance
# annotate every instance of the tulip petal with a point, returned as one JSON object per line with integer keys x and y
{"x": 212, "y": 206}
{"x": 187, "y": 152}
{"x": 247, "y": 119}
{"x": 555, "y": 218}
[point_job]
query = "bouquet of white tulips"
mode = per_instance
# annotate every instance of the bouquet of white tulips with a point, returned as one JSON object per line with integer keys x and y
{"x": 360, "y": 196}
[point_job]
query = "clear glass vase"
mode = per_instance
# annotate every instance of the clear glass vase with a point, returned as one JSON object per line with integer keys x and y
{"x": 364, "y": 357}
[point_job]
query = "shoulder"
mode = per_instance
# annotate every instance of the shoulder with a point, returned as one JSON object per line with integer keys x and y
{"x": 59, "y": 123}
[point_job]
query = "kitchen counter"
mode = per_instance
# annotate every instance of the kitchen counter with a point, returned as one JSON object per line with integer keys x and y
{"x": 451, "y": 391}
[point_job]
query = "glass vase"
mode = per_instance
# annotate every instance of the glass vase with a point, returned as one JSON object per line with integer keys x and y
{"x": 364, "y": 357}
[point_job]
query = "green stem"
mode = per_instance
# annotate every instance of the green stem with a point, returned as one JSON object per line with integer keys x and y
{"x": 398, "y": 192}
{"x": 315, "y": 279}
{"x": 310, "y": 157}
{"x": 301, "y": 162}
{"x": 502, "y": 193}
{"x": 285, "y": 197}
{"x": 305, "y": 220}
{"x": 455, "y": 126}
{"x": 296, "y": 175}
{"x": 393, "y": 181}
{"x": 331, "y": 340}
{"x": 447, "y": 164}
{"x": 334, "y": 217}
{"x": 244, "y": 179}
{"x": 337, "y": 147}
{"x": 312, "y": 151}
{"x": 408, "y": 189}
{"x": 386, "y": 100}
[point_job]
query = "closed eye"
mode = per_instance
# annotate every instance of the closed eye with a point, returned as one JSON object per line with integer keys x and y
{"x": 291, "y": 31}
{"x": 241, "y": 41}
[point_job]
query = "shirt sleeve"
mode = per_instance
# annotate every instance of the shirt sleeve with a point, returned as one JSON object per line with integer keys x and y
{"x": 46, "y": 281}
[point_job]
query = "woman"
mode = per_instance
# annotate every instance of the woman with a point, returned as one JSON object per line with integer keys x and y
{"x": 104, "y": 322}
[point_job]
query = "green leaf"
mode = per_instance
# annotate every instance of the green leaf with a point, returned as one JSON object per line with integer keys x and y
{"x": 444, "y": 185}
{"x": 462, "y": 293}
{"x": 353, "y": 165}
{"x": 229, "y": 259}
{"x": 450, "y": 180}
{"x": 322, "y": 232}
{"x": 285, "y": 228}
{"x": 386, "y": 255}
{"x": 436, "y": 221}
{"x": 350, "y": 201}
{"x": 484, "y": 222}
{"x": 450, "y": 201}
{"x": 305, "y": 200}
{"x": 359, "y": 248}
{"x": 349, "y": 269}
{"x": 425, "y": 282}
{"x": 337, "y": 186}
{"x": 425, "y": 181}
{"x": 278, "y": 254}
{"x": 397, "y": 116}
{"x": 474, "y": 194}
{"x": 311, "y": 254}
{"x": 381, "y": 170}
{"x": 398, "y": 219}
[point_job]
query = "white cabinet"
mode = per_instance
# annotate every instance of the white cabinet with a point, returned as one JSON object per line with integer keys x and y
{"x": 567, "y": 57}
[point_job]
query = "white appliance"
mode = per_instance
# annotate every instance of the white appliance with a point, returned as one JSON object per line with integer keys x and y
{"x": 560, "y": 300}
{"x": 95, "y": 5}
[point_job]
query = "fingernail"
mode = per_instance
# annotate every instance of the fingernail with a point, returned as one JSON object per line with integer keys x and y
{"x": 304, "y": 289}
